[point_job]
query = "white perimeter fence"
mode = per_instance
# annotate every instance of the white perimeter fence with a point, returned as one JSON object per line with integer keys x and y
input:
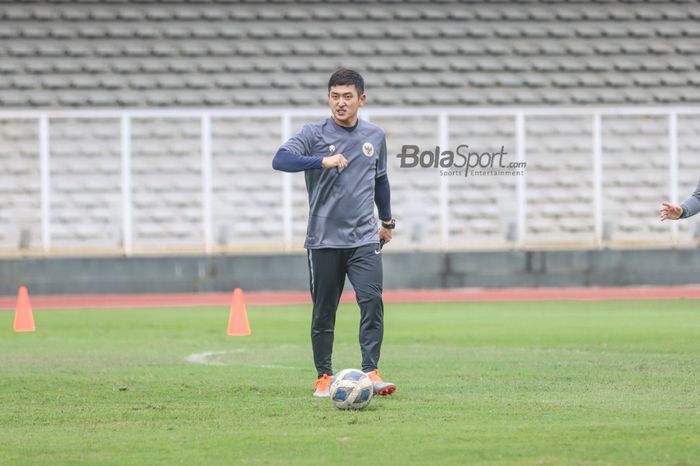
{"x": 533, "y": 212}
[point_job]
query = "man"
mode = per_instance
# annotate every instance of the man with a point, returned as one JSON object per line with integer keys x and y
{"x": 344, "y": 163}
{"x": 688, "y": 208}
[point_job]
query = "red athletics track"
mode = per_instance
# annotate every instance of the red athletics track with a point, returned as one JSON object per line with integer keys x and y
{"x": 390, "y": 296}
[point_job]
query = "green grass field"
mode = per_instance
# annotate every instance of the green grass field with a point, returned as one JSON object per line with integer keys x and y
{"x": 556, "y": 383}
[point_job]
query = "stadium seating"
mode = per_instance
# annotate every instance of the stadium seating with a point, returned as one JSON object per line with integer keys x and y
{"x": 246, "y": 54}
{"x": 80, "y": 49}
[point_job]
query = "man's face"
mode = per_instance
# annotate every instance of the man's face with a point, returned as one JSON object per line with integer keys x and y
{"x": 345, "y": 102}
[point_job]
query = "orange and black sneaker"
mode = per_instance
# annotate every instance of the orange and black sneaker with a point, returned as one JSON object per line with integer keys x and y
{"x": 323, "y": 386}
{"x": 380, "y": 387}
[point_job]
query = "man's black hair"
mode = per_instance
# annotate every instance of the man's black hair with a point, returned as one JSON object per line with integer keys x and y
{"x": 344, "y": 76}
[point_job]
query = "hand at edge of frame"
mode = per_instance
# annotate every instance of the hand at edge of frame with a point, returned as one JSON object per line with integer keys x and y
{"x": 670, "y": 211}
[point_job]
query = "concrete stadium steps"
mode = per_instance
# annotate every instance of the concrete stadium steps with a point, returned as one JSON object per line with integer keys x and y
{"x": 85, "y": 178}
{"x": 247, "y": 192}
{"x": 59, "y": 54}
{"x": 482, "y": 208}
{"x": 20, "y": 198}
{"x": 633, "y": 143}
{"x": 559, "y": 179}
{"x": 166, "y": 161}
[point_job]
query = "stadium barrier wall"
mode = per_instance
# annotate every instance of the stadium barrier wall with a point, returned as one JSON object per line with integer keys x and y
{"x": 418, "y": 270}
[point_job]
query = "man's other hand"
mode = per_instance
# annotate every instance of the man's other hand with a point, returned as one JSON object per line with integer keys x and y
{"x": 385, "y": 234}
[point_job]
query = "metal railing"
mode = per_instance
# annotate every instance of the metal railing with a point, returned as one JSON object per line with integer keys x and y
{"x": 443, "y": 115}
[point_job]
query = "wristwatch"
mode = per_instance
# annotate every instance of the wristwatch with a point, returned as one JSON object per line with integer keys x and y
{"x": 389, "y": 226}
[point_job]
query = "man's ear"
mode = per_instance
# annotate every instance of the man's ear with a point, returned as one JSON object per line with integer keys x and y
{"x": 363, "y": 97}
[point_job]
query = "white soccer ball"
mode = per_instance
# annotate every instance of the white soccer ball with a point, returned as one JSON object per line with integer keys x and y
{"x": 351, "y": 389}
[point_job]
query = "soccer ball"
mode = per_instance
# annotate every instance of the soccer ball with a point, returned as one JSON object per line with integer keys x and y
{"x": 351, "y": 389}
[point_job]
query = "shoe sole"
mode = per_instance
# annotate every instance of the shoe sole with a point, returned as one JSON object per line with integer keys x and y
{"x": 387, "y": 391}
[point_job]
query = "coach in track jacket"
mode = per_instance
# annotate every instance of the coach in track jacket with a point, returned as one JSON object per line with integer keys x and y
{"x": 344, "y": 160}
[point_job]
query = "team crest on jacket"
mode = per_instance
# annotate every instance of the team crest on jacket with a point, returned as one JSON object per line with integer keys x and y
{"x": 368, "y": 149}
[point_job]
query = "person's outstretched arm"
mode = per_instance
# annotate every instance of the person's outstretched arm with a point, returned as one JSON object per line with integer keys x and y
{"x": 687, "y": 208}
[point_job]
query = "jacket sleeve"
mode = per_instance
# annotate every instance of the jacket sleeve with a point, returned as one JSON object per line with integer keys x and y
{"x": 382, "y": 197}
{"x": 288, "y": 161}
{"x": 691, "y": 206}
{"x": 295, "y": 154}
{"x": 382, "y": 190}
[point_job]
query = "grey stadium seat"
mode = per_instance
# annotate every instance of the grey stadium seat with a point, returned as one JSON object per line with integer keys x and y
{"x": 449, "y": 33}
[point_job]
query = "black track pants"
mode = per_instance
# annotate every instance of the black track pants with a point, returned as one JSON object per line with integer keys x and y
{"x": 327, "y": 271}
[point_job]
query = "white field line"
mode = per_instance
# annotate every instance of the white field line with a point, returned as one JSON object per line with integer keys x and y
{"x": 205, "y": 358}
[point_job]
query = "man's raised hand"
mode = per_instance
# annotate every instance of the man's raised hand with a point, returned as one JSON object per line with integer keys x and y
{"x": 335, "y": 161}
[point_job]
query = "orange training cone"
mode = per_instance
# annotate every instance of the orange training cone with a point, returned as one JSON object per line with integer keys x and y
{"x": 24, "y": 319}
{"x": 238, "y": 319}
